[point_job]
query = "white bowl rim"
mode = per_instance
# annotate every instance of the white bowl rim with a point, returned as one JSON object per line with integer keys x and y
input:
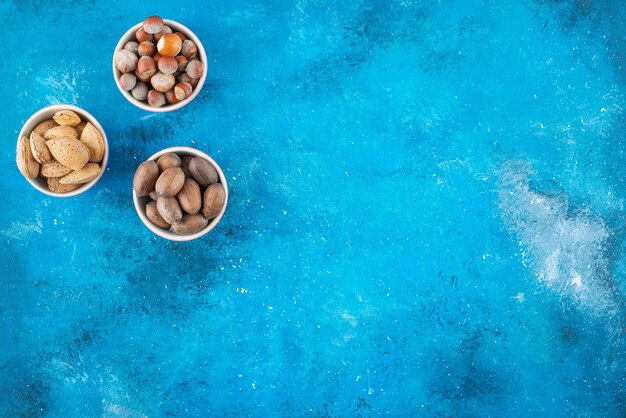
{"x": 172, "y": 236}
{"x": 176, "y": 27}
{"x": 51, "y": 110}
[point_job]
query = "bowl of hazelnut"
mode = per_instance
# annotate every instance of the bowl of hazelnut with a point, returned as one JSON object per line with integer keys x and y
{"x": 159, "y": 65}
{"x": 180, "y": 193}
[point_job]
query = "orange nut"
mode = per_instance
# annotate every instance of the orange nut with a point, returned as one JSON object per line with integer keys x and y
{"x": 169, "y": 45}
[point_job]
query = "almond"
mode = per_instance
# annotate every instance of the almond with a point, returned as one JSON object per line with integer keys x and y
{"x": 190, "y": 224}
{"x": 41, "y": 153}
{"x": 44, "y": 126}
{"x": 54, "y": 184}
{"x": 89, "y": 172}
{"x": 70, "y": 152}
{"x": 54, "y": 169}
{"x": 60, "y": 132}
{"x": 26, "y": 163}
{"x": 170, "y": 182}
{"x": 153, "y": 214}
{"x": 66, "y": 118}
{"x": 94, "y": 142}
{"x": 213, "y": 200}
{"x": 145, "y": 178}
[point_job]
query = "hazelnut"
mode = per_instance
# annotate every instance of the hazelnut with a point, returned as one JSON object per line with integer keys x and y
{"x": 128, "y": 81}
{"x": 125, "y": 61}
{"x": 168, "y": 65}
{"x": 156, "y": 98}
{"x": 170, "y": 97}
{"x": 142, "y": 78}
{"x": 131, "y": 46}
{"x": 182, "y": 90}
{"x": 156, "y": 57}
{"x": 142, "y": 36}
{"x": 181, "y": 36}
{"x": 140, "y": 92}
{"x": 189, "y": 49}
{"x": 152, "y": 25}
{"x": 146, "y": 48}
{"x": 194, "y": 69}
{"x": 169, "y": 45}
{"x": 182, "y": 62}
{"x": 162, "y": 82}
{"x": 158, "y": 36}
{"x": 146, "y": 67}
{"x": 184, "y": 78}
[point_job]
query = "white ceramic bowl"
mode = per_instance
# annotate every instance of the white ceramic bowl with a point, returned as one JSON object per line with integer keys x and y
{"x": 47, "y": 113}
{"x": 140, "y": 202}
{"x": 176, "y": 27}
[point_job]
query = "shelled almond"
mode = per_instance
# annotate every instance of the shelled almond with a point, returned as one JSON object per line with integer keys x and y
{"x": 185, "y": 192}
{"x": 166, "y": 63}
{"x": 64, "y": 150}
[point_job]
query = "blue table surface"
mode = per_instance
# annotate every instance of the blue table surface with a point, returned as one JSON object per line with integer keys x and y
{"x": 426, "y": 215}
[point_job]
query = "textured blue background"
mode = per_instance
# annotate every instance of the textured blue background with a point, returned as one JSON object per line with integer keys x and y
{"x": 426, "y": 215}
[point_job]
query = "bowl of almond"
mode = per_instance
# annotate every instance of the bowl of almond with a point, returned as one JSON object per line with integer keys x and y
{"x": 62, "y": 150}
{"x": 180, "y": 193}
{"x": 159, "y": 65}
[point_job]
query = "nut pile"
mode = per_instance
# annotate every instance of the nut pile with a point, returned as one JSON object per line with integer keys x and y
{"x": 64, "y": 150}
{"x": 185, "y": 192}
{"x": 159, "y": 66}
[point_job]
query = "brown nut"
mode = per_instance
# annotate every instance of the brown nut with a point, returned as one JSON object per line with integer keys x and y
{"x": 140, "y": 92}
{"x": 182, "y": 62}
{"x": 152, "y": 213}
{"x": 42, "y": 127}
{"x": 168, "y": 65}
{"x": 156, "y": 57}
{"x": 26, "y": 163}
{"x": 158, "y": 36}
{"x": 182, "y": 90}
{"x": 60, "y": 132}
{"x": 146, "y": 68}
{"x": 194, "y": 69}
{"x": 189, "y": 49}
{"x": 145, "y": 178}
{"x": 142, "y": 36}
{"x": 190, "y": 224}
{"x": 146, "y": 49}
{"x": 54, "y": 169}
{"x": 38, "y": 147}
{"x": 89, "y": 172}
{"x": 184, "y": 78}
{"x": 170, "y": 97}
{"x": 181, "y": 35}
{"x": 162, "y": 82}
{"x": 68, "y": 151}
{"x": 213, "y": 200}
{"x": 66, "y": 118}
{"x": 170, "y": 182}
{"x": 190, "y": 197}
{"x": 153, "y": 195}
{"x": 152, "y": 25}
{"x": 156, "y": 98}
{"x": 185, "y": 164}
{"x": 128, "y": 81}
{"x": 131, "y": 46}
{"x": 203, "y": 171}
{"x": 169, "y": 209}
{"x": 125, "y": 61}
{"x": 93, "y": 140}
{"x": 168, "y": 160}
{"x": 54, "y": 184}
{"x": 169, "y": 45}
